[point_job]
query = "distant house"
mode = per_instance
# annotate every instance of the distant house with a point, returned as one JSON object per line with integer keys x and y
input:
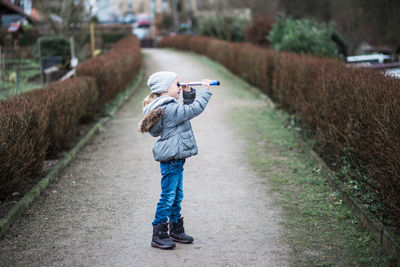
{"x": 10, "y": 13}
{"x": 119, "y": 9}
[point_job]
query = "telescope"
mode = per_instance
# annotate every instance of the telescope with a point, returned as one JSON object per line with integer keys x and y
{"x": 215, "y": 82}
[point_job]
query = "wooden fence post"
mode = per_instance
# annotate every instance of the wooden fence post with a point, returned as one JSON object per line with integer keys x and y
{"x": 1, "y": 64}
{"x": 92, "y": 41}
{"x": 40, "y": 61}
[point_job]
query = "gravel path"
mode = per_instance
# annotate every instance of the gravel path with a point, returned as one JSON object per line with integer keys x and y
{"x": 99, "y": 212}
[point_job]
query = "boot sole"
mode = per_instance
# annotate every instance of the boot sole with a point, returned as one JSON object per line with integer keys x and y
{"x": 154, "y": 245}
{"x": 181, "y": 241}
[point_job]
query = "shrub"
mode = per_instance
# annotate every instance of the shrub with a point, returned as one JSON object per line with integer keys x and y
{"x": 303, "y": 36}
{"x": 128, "y": 45}
{"x": 197, "y": 43}
{"x": 23, "y": 142}
{"x": 45, "y": 121}
{"x": 165, "y": 23}
{"x": 224, "y": 28}
{"x": 254, "y": 65}
{"x": 113, "y": 37}
{"x": 353, "y": 112}
{"x": 54, "y": 45}
{"x": 39, "y": 123}
{"x": 114, "y": 70}
{"x": 70, "y": 102}
{"x": 361, "y": 121}
{"x": 178, "y": 41}
{"x": 29, "y": 37}
{"x": 258, "y": 30}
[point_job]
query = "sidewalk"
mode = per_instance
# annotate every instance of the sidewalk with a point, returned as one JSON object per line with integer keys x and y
{"x": 99, "y": 212}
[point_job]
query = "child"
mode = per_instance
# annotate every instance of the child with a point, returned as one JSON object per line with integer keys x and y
{"x": 166, "y": 118}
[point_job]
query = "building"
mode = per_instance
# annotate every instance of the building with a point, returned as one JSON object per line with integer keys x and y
{"x": 14, "y": 12}
{"x": 117, "y": 9}
{"x": 25, "y": 5}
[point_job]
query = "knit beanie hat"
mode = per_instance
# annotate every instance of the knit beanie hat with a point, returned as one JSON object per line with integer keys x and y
{"x": 159, "y": 82}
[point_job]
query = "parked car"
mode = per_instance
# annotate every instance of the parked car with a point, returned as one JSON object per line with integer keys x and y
{"x": 141, "y": 28}
{"x": 129, "y": 18}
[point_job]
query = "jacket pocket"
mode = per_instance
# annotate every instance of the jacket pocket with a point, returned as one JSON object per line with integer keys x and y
{"x": 165, "y": 150}
{"x": 186, "y": 143}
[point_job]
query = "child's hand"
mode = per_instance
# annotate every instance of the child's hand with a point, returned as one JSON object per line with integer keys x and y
{"x": 186, "y": 88}
{"x": 205, "y": 83}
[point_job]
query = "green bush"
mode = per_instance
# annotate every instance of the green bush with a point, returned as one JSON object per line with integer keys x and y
{"x": 303, "y": 36}
{"x": 110, "y": 38}
{"x": 224, "y": 28}
{"x": 29, "y": 37}
{"x": 54, "y": 45}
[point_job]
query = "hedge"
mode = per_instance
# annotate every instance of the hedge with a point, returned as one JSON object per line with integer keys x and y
{"x": 354, "y": 112}
{"x": 23, "y": 124}
{"x": 113, "y": 71}
{"x": 40, "y": 124}
{"x": 70, "y": 102}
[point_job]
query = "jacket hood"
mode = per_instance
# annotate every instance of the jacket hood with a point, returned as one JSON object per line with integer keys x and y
{"x": 153, "y": 113}
{"x": 159, "y": 101}
{"x": 150, "y": 119}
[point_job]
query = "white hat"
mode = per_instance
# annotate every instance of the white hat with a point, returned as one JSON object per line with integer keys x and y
{"x": 159, "y": 82}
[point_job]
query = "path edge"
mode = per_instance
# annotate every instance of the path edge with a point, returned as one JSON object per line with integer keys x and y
{"x": 366, "y": 217}
{"x": 108, "y": 112}
{"x": 374, "y": 226}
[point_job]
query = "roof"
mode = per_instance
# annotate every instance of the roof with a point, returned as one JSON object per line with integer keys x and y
{"x": 8, "y": 8}
{"x": 373, "y": 57}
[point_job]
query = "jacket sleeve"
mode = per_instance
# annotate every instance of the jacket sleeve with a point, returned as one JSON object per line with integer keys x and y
{"x": 178, "y": 114}
{"x": 188, "y": 97}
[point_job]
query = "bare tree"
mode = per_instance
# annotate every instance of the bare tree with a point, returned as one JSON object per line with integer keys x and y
{"x": 258, "y": 7}
{"x": 64, "y": 16}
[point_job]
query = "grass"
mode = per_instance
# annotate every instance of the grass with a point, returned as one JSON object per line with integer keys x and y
{"x": 28, "y": 68}
{"x": 320, "y": 229}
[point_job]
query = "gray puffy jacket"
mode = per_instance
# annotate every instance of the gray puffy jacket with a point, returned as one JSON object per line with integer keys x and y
{"x": 164, "y": 117}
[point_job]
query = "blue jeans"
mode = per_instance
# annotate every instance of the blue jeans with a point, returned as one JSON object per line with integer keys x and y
{"x": 169, "y": 205}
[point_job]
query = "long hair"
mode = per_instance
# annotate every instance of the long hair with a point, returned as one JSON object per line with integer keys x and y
{"x": 150, "y": 98}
